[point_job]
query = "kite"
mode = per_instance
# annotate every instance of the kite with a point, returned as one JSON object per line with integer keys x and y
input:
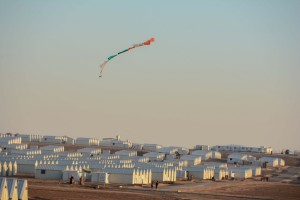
{"x": 148, "y": 42}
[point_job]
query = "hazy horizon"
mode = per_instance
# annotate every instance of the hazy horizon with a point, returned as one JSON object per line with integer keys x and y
{"x": 219, "y": 72}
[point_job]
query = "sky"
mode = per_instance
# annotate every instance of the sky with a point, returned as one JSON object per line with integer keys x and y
{"x": 219, "y": 73}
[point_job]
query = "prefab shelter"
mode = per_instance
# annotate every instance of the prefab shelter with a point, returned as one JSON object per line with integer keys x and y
{"x": 238, "y": 158}
{"x": 164, "y": 174}
{"x": 205, "y": 155}
{"x": 271, "y": 161}
{"x": 53, "y": 139}
{"x": 87, "y": 141}
{"x": 192, "y": 160}
{"x": 126, "y": 153}
{"x": 154, "y": 156}
{"x": 52, "y": 149}
{"x": 129, "y": 176}
{"x": 26, "y": 166}
{"x": 3, "y": 189}
{"x": 167, "y": 150}
{"x": 241, "y": 172}
{"x": 89, "y": 151}
{"x": 22, "y": 189}
{"x": 151, "y": 147}
{"x": 12, "y": 185}
{"x": 200, "y": 172}
{"x": 50, "y": 172}
{"x": 220, "y": 173}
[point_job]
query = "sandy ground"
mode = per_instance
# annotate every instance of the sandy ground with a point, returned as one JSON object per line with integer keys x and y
{"x": 237, "y": 190}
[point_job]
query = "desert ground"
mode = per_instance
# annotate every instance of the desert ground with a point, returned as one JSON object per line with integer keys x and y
{"x": 284, "y": 183}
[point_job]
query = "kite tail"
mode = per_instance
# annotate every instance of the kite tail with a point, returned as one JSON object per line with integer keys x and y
{"x": 102, "y": 67}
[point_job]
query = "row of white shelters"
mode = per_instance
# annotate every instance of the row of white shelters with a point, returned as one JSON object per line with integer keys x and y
{"x": 87, "y": 141}
{"x": 10, "y": 140}
{"x": 30, "y": 137}
{"x": 27, "y": 152}
{"x": 262, "y": 149}
{"x": 53, "y": 139}
{"x": 126, "y": 153}
{"x": 8, "y": 168}
{"x": 239, "y": 158}
{"x": 10, "y": 147}
{"x": 13, "y": 189}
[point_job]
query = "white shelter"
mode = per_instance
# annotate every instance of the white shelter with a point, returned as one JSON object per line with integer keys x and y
{"x": 167, "y": 150}
{"x": 126, "y": 153}
{"x": 154, "y": 156}
{"x": 205, "y": 155}
{"x": 52, "y": 149}
{"x": 192, "y": 160}
{"x": 151, "y": 147}
{"x": 87, "y": 141}
{"x": 50, "y": 172}
{"x": 271, "y": 161}
{"x": 241, "y": 172}
{"x": 129, "y": 176}
{"x": 238, "y": 158}
{"x": 89, "y": 151}
{"x": 53, "y": 139}
{"x": 164, "y": 174}
{"x": 200, "y": 172}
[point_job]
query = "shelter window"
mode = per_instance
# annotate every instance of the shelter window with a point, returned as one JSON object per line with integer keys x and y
{"x": 43, "y": 171}
{"x": 230, "y": 158}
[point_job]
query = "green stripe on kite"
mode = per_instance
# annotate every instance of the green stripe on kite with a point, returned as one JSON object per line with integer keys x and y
{"x": 111, "y": 57}
{"x": 123, "y": 51}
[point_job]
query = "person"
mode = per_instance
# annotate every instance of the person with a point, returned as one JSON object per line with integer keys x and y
{"x": 71, "y": 179}
{"x": 152, "y": 182}
{"x": 156, "y": 184}
{"x": 81, "y": 180}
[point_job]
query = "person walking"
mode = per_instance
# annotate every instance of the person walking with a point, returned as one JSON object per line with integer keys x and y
{"x": 156, "y": 184}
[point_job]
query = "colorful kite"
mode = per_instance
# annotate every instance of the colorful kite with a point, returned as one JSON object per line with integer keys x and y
{"x": 148, "y": 42}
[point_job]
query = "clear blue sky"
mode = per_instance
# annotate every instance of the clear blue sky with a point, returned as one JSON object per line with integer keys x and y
{"x": 219, "y": 72}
